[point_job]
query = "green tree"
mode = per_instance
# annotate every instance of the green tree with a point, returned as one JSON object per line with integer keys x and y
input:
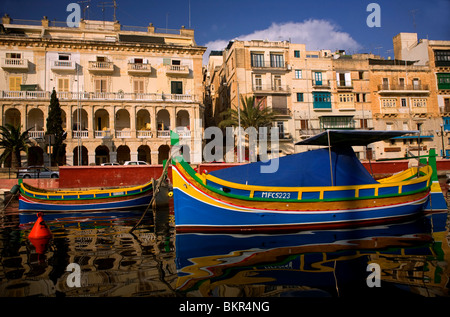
{"x": 12, "y": 142}
{"x": 54, "y": 127}
{"x": 252, "y": 115}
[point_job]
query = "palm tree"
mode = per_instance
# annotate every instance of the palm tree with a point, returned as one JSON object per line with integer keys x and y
{"x": 252, "y": 115}
{"x": 12, "y": 141}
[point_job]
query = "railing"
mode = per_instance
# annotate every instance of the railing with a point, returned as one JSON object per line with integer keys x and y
{"x": 94, "y": 65}
{"x": 14, "y": 63}
{"x": 271, "y": 88}
{"x": 80, "y": 134}
{"x": 344, "y": 84}
{"x": 63, "y": 65}
{"x": 163, "y": 134}
{"x": 65, "y": 95}
{"x": 177, "y": 69}
{"x": 100, "y": 134}
{"x": 36, "y": 134}
{"x": 144, "y": 134}
{"x": 413, "y": 87}
{"x": 270, "y": 64}
{"x": 139, "y": 67}
{"x": 321, "y": 83}
{"x": 123, "y": 134}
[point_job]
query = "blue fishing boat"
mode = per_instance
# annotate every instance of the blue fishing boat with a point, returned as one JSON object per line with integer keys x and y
{"x": 322, "y": 188}
{"x": 34, "y": 199}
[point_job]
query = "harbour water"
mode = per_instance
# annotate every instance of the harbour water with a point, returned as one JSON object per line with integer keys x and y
{"x": 154, "y": 261}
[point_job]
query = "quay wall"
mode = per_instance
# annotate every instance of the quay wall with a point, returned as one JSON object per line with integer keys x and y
{"x": 107, "y": 176}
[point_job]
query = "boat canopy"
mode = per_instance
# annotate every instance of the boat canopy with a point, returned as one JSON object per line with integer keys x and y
{"x": 311, "y": 168}
{"x": 352, "y": 137}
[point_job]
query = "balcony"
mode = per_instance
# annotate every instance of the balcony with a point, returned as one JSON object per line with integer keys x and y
{"x": 36, "y": 134}
{"x": 80, "y": 134}
{"x": 271, "y": 89}
{"x": 102, "y": 134}
{"x": 163, "y": 134}
{"x": 112, "y": 96}
{"x": 321, "y": 84}
{"x": 177, "y": 70}
{"x": 63, "y": 65}
{"x": 144, "y": 134}
{"x": 101, "y": 67}
{"x": 121, "y": 134}
{"x": 401, "y": 89}
{"x": 273, "y": 65}
{"x": 139, "y": 68}
{"x": 344, "y": 85}
{"x": 15, "y": 63}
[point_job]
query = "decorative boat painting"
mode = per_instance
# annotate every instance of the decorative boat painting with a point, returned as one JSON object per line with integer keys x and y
{"x": 319, "y": 189}
{"x": 89, "y": 200}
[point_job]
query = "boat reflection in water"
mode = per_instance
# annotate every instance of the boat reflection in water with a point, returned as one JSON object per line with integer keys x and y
{"x": 328, "y": 263}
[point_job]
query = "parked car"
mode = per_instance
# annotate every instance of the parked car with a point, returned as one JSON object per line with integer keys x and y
{"x": 37, "y": 172}
{"x": 135, "y": 163}
{"x": 110, "y": 164}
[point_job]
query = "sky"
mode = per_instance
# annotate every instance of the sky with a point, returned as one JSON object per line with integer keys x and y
{"x": 320, "y": 24}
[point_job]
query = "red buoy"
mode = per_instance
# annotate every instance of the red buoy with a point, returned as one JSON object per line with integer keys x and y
{"x": 40, "y": 229}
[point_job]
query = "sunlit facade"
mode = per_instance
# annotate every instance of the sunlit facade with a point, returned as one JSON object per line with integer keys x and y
{"x": 121, "y": 89}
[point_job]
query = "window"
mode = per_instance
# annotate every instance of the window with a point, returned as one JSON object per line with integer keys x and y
{"x": 389, "y": 126}
{"x": 63, "y": 84}
{"x": 176, "y": 87}
{"x": 176, "y": 62}
{"x": 101, "y": 59}
{"x": 257, "y": 60}
{"x": 416, "y": 83}
{"x": 100, "y": 85}
{"x": 389, "y": 102}
{"x": 63, "y": 57}
{"x": 14, "y": 55}
{"x": 443, "y": 80}
{"x": 258, "y": 82}
{"x": 14, "y": 83}
{"x": 277, "y": 83}
{"x": 322, "y": 100}
{"x": 385, "y": 83}
{"x": 280, "y": 126}
{"x": 363, "y": 97}
{"x": 297, "y": 54}
{"x": 361, "y": 74}
{"x": 300, "y": 97}
{"x": 442, "y": 57}
{"x": 318, "y": 78}
{"x": 276, "y": 60}
{"x": 419, "y": 102}
{"x": 401, "y": 82}
{"x": 364, "y": 123}
{"x": 298, "y": 74}
{"x": 446, "y": 104}
{"x": 403, "y": 101}
{"x": 304, "y": 124}
{"x": 138, "y": 86}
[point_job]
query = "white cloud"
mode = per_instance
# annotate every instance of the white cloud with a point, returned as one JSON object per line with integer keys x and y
{"x": 316, "y": 34}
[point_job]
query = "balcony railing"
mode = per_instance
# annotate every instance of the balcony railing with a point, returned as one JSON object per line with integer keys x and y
{"x": 398, "y": 87}
{"x": 36, "y": 134}
{"x": 177, "y": 70}
{"x": 15, "y": 63}
{"x": 321, "y": 83}
{"x": 163, "y": 134}
{"x": 101, "y": 134}
{"x": 101, "y": 66}
{"x": 144, "y": 134}
{"x": 271, "y": 88}
{"x": 271, "y": 64}
{"x": 66, "y": 95}
{"x": 80, "y": 134}
{"x": 139, "y": 68}
{"x": 63, "y": 65}
{"x": 343, "y": 84}
{"x": 123, "y": 134}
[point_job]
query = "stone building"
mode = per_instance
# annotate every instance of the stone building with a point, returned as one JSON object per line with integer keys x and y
{"x": 121, "y": 88}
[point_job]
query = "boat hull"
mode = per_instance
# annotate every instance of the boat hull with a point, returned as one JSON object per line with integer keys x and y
{"x": 90, "y": 200}
{"x": 28, "y": 205}
{"x": 199, "y": 210}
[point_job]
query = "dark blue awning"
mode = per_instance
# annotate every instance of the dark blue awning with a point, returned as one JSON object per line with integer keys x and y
{"x": 352, "y": 137}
